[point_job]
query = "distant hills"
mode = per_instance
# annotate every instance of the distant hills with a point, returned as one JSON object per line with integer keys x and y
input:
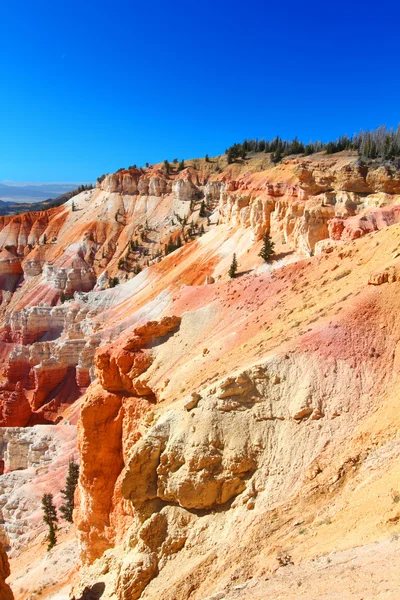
{"x": 33, "y": 192}
{"x": 17, "y": 198}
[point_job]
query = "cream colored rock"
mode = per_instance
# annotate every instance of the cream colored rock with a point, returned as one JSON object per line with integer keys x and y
{"x": 185, "y": 190}
{"x": 35, "y": 459}
{"x": 136, "y": 571}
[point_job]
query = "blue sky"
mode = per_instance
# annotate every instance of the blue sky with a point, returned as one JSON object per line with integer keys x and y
{"x": 88, "y": 87}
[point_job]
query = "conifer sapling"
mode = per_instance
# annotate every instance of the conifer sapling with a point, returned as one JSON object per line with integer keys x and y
{"x": 233, "y": 268}
{"x": 69, "y": 491}
{"x": 267, "y": 249}
{"x": 50, "y": 518}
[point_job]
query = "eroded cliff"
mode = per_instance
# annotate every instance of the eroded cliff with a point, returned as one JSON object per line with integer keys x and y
{"x": 232, "y": 462}
{"x": 226, "y": 428}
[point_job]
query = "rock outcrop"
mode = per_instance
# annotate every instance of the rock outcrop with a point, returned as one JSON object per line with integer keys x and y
{"x": 5, "y": 591}
{"x": 113, "y": 410}
{"x": 119, "y": 367}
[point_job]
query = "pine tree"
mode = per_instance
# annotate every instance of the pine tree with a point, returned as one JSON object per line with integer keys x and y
{"x": 181, "y": 165}
{"x": 267, "y": 249}
{"x": 50, "y": 518}
{"x": 277, "y": 155}
{"x": 203, "y": 212}
{"x": 112, "y": 282}
{"x": 233, "y": 268}
{"x": 69, "y": 491}
{"x": 207, "y": 158}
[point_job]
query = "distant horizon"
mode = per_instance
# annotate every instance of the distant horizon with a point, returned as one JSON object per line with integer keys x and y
{"x": 12, "y": 183}
{"x": 20, "y": 191}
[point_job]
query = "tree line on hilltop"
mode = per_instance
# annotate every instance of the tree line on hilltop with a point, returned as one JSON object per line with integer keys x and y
{"x": 381, "y": 143}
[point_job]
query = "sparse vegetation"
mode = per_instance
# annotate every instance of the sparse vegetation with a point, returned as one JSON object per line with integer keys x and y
{"x": 172, "y": 245}
{"x": 395, "y": 496}
{"x": 234, "y": 152}
{"x": 381, "y": 143}
{"x": 267, "y": 249}
{"x": 134, "y": 245}
{"x": 69, "y": 491}
{"x": 82, "y": 188}
{"x": 233, "y": 268}
{"x": 113, "y": 281}
{"x": 65, "y": 297}
{"x": 50, "y": 518}
{"x": 284, "y": 559}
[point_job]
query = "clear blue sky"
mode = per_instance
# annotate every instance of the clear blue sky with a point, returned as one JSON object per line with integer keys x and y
{"x": 88, "y": 87}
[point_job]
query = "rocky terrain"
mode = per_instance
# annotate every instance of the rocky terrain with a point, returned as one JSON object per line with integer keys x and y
{"x": 237, "y": 438}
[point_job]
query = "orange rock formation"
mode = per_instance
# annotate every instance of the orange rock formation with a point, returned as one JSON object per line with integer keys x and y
{"x": 5, "y": 591}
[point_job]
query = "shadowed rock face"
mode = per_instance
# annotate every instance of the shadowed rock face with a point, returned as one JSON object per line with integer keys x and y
{"x": 5, "y": 591}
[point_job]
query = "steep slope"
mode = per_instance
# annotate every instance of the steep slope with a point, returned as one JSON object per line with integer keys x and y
{"x": 310, "y": 204}
{"x": 217, "y": 418}
{"x": 264, "y": 424}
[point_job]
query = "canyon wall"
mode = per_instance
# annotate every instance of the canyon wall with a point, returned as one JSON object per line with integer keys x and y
{"x": 215, "y": 417}
{"x": 56, "y": 265}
